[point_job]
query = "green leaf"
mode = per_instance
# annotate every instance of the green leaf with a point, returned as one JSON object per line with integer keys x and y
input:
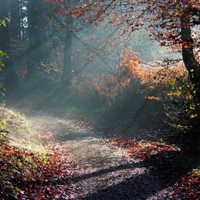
{"x": 6, "y": 55}
{"x": 19, "y": 164}
{"x": 1, "y": 64}
{"x": 1, "y": 87}
{"x": 193, "y": 116}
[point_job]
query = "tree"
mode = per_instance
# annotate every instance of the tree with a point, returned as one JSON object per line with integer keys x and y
{"x": 14, "y": 39}
{"x": 173, "y": 23}
{"x": 67, "y": 65}
{"x": 60, "y": 21}
{"x": 11, "y": 77}
{"x": 37, "y": 38}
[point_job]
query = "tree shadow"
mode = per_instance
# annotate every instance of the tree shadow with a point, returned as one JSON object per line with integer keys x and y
{"x": 70, "y": 136}
{"x": 164, "y": 170}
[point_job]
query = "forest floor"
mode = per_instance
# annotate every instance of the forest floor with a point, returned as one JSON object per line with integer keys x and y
{"x": 102, "y": 167}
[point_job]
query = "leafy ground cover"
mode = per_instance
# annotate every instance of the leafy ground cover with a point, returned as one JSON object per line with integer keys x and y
{"x": 28, "y": 175}
{"x": 29, "y": 166}
{"x": 21, "y": 133}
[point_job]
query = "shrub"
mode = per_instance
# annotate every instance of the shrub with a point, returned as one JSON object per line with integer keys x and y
{"x": 183, "y": 109}
{"x": 84, "y": 91}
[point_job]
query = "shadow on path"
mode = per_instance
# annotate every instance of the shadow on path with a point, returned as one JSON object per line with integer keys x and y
{"x": 164, "y": 170}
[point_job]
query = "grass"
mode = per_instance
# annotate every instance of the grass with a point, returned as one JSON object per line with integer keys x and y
{"x": 21, "y": 133}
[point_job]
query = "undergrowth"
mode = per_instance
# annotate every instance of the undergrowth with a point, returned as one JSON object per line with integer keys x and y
{"x": 20, "y": 131}
{"x": 17, "y": 167}
{"x": 28, "y": 175}
{"x": 29, "y": 170}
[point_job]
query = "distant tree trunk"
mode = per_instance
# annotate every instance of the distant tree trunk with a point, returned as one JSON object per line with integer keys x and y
{"x": 67, "y": 64}
{"x": 190, "y": 62}
{"x": 38, "y": 53}
{"x": 15, "y": 19}
{"x": 42, "y": 50}
{"x": 33, "y": 37}
{"x": 23, "y": 15}
{"x": 14, "y": 32}
{"x": 11, "y": 78}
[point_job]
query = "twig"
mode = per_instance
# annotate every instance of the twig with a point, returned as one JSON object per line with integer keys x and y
{"x": 4, "y": 131}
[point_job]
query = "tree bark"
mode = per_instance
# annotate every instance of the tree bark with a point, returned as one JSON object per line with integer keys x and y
{"x": 14, "y": 32}
{"x": 190, "y": 62}
{"x": 33, "y": 35}
{"x": 38, "y": 53}
{"x": 67, "y": 64}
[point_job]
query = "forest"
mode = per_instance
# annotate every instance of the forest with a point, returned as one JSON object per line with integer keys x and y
{"x": 99, "y": 99}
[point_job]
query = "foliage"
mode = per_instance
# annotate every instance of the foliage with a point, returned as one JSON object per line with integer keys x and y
{"x": 4, "y": 135}
{"x": 142, "y": 149}
{"x": 25, "y": 174}
{"x": 3, "y": 21}
{"x": 131, "y": 74}
{"x": 99, "y": 90}
{"x": 169, "y": 80}
{"x": 183, "y": 109}
{"x": 191, "y": 182}
{"x": 17, "y": 52}
{"x": 22, "y": 170}
{"x": 84, "y": 91}
{"x": 161, "y": 19}
{"x": 2, "y": 54}
{"x": 20, "y": 131}
{"x": 180, "y": 99}
{"x": 3, "y": 132}
{"x": 172, "y": 23}
{"x": 115, "y": 90}
{"x": 127, "y": 72}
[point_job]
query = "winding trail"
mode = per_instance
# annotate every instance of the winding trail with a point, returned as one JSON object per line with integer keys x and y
{"x": 88, "y": 148}
{"x": 107, "y": 171}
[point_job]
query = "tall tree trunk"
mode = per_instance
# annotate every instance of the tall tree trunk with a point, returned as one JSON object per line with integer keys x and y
{"x": 67, "y": 64}
{"x": 33, "y": 35}
{"x": 42, "y": 50}
{"x": 190, "y": 62}
{"x": 38, "y": 53}
{"x": 14, "y": 32}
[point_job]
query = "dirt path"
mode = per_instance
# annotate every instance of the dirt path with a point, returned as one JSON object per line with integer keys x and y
{"x": 88, "y": 148}
{"x": 107, "y": 172}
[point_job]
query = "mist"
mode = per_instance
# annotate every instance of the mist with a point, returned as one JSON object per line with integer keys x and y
{"x": 84, "y": 73}
{"x": 96, "y": 97}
